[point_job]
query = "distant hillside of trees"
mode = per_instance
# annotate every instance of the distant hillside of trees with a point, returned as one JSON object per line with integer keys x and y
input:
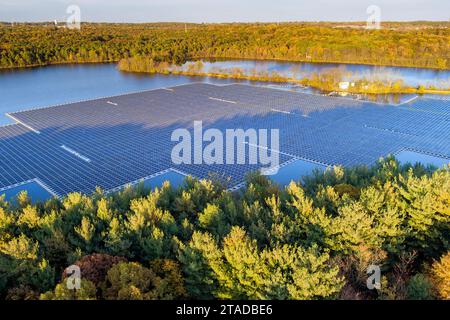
{"x": 397, "y": 44}
{"x": 314, "y": 240}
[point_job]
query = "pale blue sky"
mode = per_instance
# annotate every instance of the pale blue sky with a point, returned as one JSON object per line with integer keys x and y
{"x": 223, "y": 10}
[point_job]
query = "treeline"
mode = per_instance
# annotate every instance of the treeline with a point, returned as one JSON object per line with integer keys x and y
{"x": 311, "y": 240}
{"x": 401, "y": 44}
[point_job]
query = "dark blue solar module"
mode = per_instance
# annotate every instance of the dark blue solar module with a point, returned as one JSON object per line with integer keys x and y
{"x": 113, "y": 141}
{"x": 157, "y": 180}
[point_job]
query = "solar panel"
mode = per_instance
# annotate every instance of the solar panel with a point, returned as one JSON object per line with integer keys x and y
{"x": 112, "y": 141}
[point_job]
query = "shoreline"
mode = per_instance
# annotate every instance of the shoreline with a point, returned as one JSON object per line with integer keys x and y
{"x": 404, "y": 90}
{"x": 212, "y": 59}
{"x": 273, "y": 79}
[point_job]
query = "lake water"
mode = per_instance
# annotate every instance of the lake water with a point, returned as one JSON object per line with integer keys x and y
{"x": 411, "y": 157}
{"x": 51, "y": 85}
{"x": 34, "y": 191}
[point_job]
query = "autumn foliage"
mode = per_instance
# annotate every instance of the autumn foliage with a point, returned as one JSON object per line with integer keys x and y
{"x": 314, "y": 239}
{"x": 420, "y": 44}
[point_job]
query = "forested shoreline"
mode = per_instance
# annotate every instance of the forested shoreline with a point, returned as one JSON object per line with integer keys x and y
{"x": 311, "y": 240}
{"x": 425, "y": 45}
{"x": 327, "y": 80}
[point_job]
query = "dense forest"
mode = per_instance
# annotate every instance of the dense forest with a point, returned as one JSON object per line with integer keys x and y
{"x": 310, "y": 240}
{"x": 398, "y": 44}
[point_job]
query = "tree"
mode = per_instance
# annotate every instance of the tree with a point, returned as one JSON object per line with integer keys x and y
{"x": 62, "y": 292}
{"x": 22, "y": 293}
{"x": 94, "y": 267}
{"x": 440, "y": 276}
{"x": 242, "y": 271}
{"x": 426, "y": 201}
{"x": 201, "y": 282}
{"x": 20, "y": 265}
{"x": 132, "y": 281}
{"x": 212, "y": 219}
{"x": 419, "y": 288}
{"x": 311, "y": 240}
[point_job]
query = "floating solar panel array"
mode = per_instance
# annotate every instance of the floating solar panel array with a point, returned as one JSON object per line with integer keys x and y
{"x": 113, "y": 141}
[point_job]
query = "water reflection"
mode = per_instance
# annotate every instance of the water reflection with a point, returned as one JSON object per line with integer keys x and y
{"x": 410, "y": 76}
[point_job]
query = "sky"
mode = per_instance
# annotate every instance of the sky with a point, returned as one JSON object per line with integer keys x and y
{"x": 223, "y": 10}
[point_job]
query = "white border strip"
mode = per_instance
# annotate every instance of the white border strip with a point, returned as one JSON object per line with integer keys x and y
{"x": 267, "y": 148}
{"x": 135, "y": 182}
{"x": 280, "y": 111}
{"x": 180, "y": 172}
{"x": 290, "y": 155}
{"x": 47, "y": 188}
{"x": 408, "y": 101}
{"x": 16, "y": 185}
{"x": 222, "y": 100}
{"x": 22, "y": 123}
{"x": 426, "y": 153}
{"x": 36, "y": 180}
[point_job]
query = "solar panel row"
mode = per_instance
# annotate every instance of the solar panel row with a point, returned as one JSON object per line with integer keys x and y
{"x": 128, "y": 137}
